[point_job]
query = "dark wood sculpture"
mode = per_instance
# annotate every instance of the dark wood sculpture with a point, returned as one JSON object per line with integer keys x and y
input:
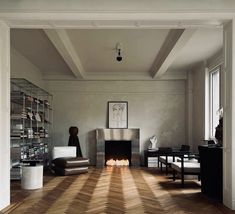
{"x": 73, "y": 139}
{"x": 219, "y": 132}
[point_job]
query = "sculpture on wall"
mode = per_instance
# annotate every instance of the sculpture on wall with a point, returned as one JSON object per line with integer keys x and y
{"x": 219, "y": 132}
{"x": 153, "y": 143}
{"x": 73, "y": 140}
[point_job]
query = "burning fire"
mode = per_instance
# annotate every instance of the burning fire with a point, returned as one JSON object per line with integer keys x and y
{"x": 113, "y": 162}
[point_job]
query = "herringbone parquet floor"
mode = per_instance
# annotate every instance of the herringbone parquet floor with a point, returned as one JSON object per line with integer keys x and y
{"x": 113, "y": 190}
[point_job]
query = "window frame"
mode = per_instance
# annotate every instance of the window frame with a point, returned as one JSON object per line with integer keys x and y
{"x": 211, "y": 118}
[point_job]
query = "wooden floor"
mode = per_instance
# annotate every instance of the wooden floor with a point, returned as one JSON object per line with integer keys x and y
{"x": 113, "y": 190}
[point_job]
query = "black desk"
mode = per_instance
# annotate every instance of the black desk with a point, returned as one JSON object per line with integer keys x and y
{"x": 162, "y": 151}
{"x": 211, "y": 159}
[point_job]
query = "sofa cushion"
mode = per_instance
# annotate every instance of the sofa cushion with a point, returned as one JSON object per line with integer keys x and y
{"x": 188, "y": 160}
{"x": 63, "y": 151}
{"x": 70, "y": 162}
{"x": 189, "y": 167}
{"x": 70, "y": 171}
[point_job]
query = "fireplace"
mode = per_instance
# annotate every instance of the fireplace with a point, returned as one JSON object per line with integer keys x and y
{"x": 118, "y": 152}
{"x": 120, "y": 138}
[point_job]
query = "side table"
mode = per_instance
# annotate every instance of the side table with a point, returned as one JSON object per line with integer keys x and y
{"x": 151, "y": 158}
{"x": 32, "y": 177}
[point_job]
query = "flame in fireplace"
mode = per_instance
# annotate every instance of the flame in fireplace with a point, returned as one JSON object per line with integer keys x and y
{"x": 113, "y": 162}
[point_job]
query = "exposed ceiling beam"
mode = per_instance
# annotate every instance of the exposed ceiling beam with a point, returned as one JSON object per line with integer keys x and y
{"x": 62, "y": 42}
{"x": 175, "y": 41}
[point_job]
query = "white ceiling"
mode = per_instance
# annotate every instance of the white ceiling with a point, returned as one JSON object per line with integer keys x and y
{"x": 96, "y": 49}
{"x": 90, "y": 54}
{"x": 203, "y": 45}
{"x": 35, "y": 45}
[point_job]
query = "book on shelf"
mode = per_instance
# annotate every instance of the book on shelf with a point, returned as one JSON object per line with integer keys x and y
{"x": 37, "y": 117}
{"x": 19, "y": 115}
{"x": 152, "y": 161}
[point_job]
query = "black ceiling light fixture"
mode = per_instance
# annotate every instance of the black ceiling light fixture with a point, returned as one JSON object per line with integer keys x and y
{"x": 118, "y": 50}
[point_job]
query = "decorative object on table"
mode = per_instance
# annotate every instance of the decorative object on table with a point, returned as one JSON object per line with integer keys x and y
{"x": 219, "y": 132}
{"x": 118, "y": 114}
{"x": 73, "y": 140}
{"x": 153, "y": 143}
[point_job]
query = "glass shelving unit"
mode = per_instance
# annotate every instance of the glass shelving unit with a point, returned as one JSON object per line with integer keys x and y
{"x": 31, "y": 124}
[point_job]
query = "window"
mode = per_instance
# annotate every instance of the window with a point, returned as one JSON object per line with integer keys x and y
{"x": 214, "y": 78}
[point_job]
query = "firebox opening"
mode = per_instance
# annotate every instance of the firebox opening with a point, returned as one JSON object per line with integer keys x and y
{"x": 118, "y": 150}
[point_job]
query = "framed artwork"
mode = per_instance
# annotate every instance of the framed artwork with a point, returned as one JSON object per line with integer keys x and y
{"x": 118, "y": 114}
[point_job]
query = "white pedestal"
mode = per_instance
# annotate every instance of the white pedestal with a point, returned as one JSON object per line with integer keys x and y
{"x": 32, "y": 177}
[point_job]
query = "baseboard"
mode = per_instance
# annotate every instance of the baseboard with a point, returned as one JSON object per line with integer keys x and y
{"x": 227, "y": 201}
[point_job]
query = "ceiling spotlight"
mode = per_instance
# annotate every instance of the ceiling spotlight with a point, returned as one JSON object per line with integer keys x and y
{"x": 118, "y": 50}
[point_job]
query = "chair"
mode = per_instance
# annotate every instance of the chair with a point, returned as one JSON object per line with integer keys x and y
{"x": 170, "y": 155}
{"x": 65, "y": 162}
{"x": 186, "y": 166}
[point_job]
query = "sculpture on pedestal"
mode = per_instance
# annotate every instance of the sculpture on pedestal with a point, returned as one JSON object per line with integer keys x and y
{"x": 153, "y": 143}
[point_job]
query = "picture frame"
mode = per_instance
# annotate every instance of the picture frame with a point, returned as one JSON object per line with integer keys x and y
{"x": 118, "y": 114}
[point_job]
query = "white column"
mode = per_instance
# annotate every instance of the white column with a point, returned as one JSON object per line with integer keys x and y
{"x": 207, "y": 105}
{"x": 189, "y": 111}
{"x": 228, "y": 88}
{"x": 4, "y": 115}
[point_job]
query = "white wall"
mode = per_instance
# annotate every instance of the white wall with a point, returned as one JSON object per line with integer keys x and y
{"x": 21, "y": 67}
{"x": 156, "y": 107}
{"x": 189, "y": 110}
{"x": 4, "y": 115}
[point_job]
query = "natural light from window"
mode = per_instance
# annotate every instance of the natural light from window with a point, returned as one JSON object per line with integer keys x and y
{"x": 214, "y": 99}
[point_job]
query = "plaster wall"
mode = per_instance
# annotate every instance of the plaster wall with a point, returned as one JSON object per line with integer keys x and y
{"x": 198, "y": 106}
{"x": 156, "y": 107}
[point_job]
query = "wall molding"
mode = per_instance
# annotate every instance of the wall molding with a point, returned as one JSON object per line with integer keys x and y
{"x": 125, "y": 14}
{"x": 118, "y": 87}
{"x": 117, "y": 76}
{"x": 121, "y": 93}
{"x": 189, "y": 6}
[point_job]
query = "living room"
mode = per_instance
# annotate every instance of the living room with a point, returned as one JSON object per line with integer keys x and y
{"x": 76, "y": 63}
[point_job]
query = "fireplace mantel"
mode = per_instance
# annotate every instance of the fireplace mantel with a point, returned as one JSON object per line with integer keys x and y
{"x": 103, "y": 135}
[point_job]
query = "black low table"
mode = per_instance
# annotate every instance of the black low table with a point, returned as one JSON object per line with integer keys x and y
{"x": 156, "y": 153}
